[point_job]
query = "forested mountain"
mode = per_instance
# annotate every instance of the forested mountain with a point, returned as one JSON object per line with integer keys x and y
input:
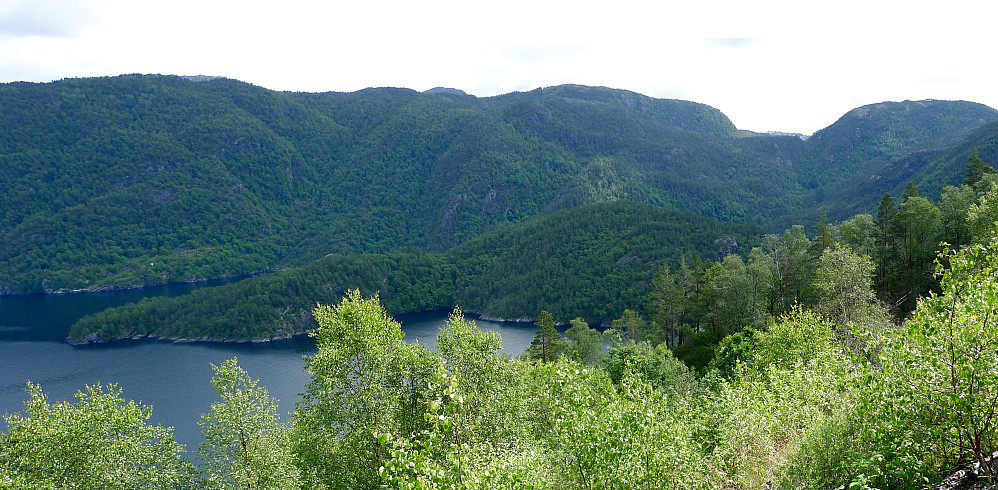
{"x": 878, "y": 148}
{"x": 943, "y": 167}
{"x": 592, "y": 262}
{"x": 137, "y": 180}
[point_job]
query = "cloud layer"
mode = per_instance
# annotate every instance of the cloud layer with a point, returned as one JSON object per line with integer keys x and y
{"x": 770, "y": 65}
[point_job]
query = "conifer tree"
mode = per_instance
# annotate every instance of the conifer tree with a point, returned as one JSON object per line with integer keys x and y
{"x": 976, "y": 169}
{"x": 546, "y": 345}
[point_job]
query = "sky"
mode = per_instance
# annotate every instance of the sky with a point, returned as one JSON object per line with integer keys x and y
{"x": 791, "y": 66}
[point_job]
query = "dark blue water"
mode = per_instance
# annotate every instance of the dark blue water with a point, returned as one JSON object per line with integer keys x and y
{"x": 172, "y": 377}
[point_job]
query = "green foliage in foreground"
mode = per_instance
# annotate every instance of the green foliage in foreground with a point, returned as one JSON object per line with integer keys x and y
{"x": 99, "y": 442}
{"x": 942, "y": 369}
{"x": 245, "y": 445}
{"x": 799, "y": 404}
{"x": 927, "y": 400}
{"x": 596, "y": 260}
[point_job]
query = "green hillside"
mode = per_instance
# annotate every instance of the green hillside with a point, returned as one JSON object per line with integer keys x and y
{"x": 138, "y": 180}
{"x": 948, "y": 166}
{"x": 591, "y": 261}
{"x": 872, "y": 149}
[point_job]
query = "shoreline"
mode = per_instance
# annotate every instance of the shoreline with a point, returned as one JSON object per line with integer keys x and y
{"x": 92, "y": 340}
{"x": 175, "y": 340}
{"x": 131, "y": 287}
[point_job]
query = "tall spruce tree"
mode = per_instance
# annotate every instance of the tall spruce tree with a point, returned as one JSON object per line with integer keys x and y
{"x": 546, "y": 345}
{"x": 976, "y": 169}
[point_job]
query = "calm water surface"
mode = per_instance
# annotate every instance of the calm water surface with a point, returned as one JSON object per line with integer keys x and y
{"x": 172, "y": 377}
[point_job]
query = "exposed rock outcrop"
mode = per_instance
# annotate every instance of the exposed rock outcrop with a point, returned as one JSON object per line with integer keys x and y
{"x": 971, "y": 476}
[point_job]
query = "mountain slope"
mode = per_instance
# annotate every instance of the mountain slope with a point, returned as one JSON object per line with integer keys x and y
{"x": 137, "y": 180}
{"x": 591, "y": 261}
{"x": 949, "y": 166}
{"x": 857, "y": 156}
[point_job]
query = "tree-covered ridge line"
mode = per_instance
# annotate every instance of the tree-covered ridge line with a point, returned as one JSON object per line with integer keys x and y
{"x": 139, "y": 180}
{"x": 592, "y": 261}
{"x": 199, "y": 180}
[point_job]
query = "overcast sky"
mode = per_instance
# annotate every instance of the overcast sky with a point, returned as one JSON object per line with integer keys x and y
{"x": 769, "y": 65}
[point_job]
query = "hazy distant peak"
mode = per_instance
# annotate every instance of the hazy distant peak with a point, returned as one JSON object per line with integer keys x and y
{"x": 445, "y": 90}
{"x": 200, "y": 78}
{"x": 781, "y": 133}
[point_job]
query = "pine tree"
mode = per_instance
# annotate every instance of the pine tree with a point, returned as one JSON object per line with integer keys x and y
{"x": 910, "y": 191}
{"x": 976, "y": 169}
{"x": 546, "y": 345}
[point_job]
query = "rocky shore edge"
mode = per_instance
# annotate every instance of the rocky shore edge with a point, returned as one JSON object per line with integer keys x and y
{"x": 94, "y": 339}
{"x": 489, "y": 318}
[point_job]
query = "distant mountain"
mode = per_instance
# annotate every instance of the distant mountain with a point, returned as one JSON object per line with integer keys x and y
{"x": 781, "y": 133}
{"x": 870, "y": 149}
{"x": 137, "y": 180}
{"x": 445, "y": 90}
{"x": 933, "y": 169}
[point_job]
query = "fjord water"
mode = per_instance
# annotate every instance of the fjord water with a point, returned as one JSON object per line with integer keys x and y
{"x": 172, "y": 377}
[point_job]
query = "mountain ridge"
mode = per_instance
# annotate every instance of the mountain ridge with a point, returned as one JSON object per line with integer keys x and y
{"x": 144, "y": 179}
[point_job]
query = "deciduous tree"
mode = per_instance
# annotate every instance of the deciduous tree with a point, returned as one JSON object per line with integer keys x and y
{"x": 99, "y": 442}
{"x": 246, "y": 446}
{"x": 365, "y": 380}
{"x": 942, "y": 366}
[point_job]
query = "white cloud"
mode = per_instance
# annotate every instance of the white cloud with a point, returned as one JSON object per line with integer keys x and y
{"x": 730, "y": 42}
{"x": 768, "y": 65}
{"x": 44, "y": 18}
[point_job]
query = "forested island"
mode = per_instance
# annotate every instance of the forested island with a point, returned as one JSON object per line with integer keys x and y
{"x": 770, "y": 311}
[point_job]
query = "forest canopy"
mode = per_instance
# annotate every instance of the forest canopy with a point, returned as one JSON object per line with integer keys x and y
{"x": 803, "y": 406}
